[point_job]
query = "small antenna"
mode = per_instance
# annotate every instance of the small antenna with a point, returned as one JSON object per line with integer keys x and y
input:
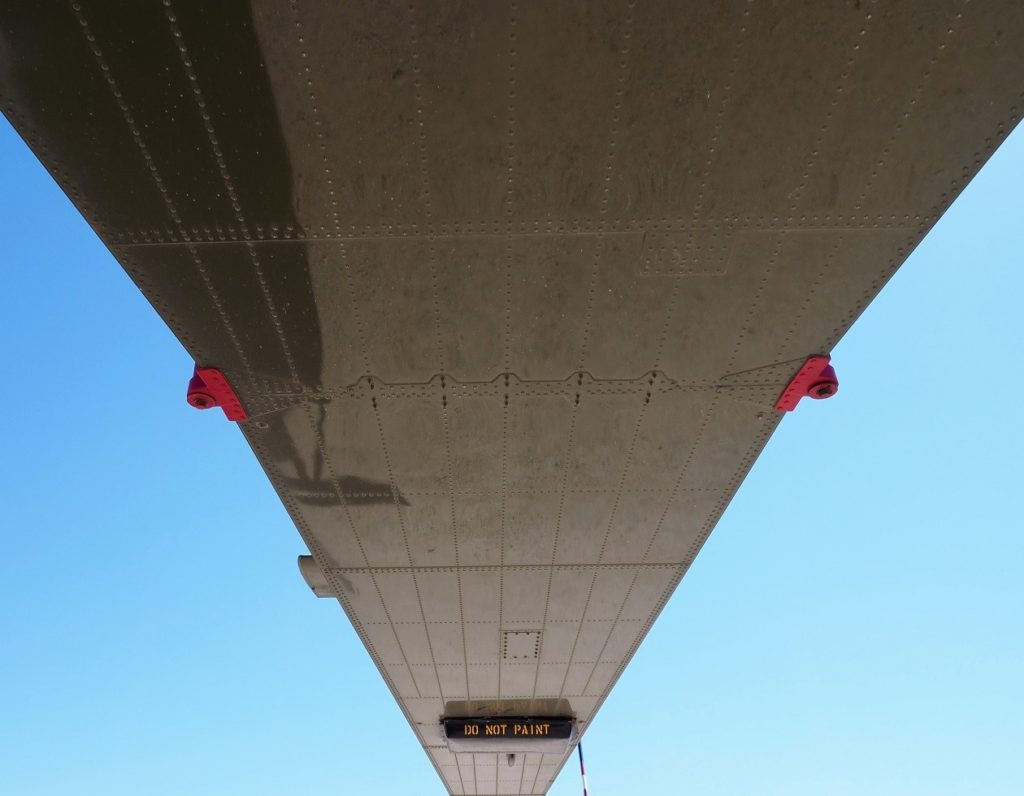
{"x": 583, "y": 769}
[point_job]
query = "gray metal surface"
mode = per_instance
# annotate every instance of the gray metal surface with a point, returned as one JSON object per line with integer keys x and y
{"x": 509, "y": 290}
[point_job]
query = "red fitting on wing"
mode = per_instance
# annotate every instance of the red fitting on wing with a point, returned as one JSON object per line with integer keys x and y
{"x": 209, "y": 387}
{"x": 815, "y": 379}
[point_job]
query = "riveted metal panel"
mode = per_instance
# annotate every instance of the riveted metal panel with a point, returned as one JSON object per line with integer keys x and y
{"x": 509, "y": 291}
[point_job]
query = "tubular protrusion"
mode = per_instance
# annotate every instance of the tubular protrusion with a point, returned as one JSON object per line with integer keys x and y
{"x": 314, "y": 577}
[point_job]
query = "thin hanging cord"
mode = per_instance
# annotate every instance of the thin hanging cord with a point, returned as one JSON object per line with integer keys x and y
{"x": 583, "y": 770}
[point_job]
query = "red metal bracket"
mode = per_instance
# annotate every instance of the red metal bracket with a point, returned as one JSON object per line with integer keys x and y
{"x": 209, "y": 388}
{"x": 815, "y": 379}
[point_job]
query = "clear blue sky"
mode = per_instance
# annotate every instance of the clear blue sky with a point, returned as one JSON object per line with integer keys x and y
{"x": 854, "y": 626}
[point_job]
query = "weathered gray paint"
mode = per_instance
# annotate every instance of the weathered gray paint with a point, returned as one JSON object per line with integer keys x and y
{"x": 510, "y": 290}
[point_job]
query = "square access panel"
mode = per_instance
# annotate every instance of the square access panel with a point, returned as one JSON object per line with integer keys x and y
{"x": 518, "y": 646}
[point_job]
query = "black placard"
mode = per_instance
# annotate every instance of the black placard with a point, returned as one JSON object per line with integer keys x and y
{"x": 508, "y": 728}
